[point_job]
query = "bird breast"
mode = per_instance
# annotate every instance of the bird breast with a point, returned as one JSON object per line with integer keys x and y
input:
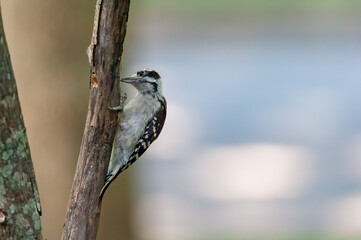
{"x": 136, "y": 114}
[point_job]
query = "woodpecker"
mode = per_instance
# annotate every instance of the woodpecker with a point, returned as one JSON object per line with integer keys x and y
{"x": 141, "y": 122}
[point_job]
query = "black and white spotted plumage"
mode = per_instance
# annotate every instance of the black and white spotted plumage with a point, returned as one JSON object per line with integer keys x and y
{"x": 141, "y": 123}
{"x": 152, "y": 131}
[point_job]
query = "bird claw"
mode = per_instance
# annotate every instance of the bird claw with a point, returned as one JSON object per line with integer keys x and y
{"x": 123, "y": 98}
{"x": 118, "y": 97}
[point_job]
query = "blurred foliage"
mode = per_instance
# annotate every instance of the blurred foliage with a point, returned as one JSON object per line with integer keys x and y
{"x": 262, "y": 4}
{"x": 264, "y": 7}
{"x": 301, "y": 237}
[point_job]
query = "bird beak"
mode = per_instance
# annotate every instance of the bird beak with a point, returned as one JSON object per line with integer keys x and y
{"x": 130, "y": 79}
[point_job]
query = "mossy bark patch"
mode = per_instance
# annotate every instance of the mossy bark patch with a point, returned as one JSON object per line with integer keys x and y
{"x": 19, "y": 198}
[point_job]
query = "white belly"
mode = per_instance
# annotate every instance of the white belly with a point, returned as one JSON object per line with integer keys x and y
{"x": 135, "y": 116}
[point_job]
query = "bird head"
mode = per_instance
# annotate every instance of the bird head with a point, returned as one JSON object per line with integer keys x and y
{"x": 146, "y": 81}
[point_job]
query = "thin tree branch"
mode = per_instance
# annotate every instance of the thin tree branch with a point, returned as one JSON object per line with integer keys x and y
{"x": 19, "y": 197}
{"x": 104, "y": 53}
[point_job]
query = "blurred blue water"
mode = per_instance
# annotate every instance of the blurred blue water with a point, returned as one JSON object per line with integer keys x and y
{"x": 243, "y": 86}
{"x": 285, "y": 89}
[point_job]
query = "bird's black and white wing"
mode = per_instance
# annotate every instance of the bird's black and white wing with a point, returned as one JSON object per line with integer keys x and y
{"x": 152, "y": 131}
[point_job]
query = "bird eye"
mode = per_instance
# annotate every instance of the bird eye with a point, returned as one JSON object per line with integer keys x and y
{"x": 140, "y": 73}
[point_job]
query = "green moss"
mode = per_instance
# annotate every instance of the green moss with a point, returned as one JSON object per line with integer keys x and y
{"x": 7, "y": 170}
{"x": 16, "y": 180}
{"x": 2, "y": 187}
{"x": 6, "y": 155}
{"x": 20, "y": 136}
{"x": 21, "y": 221}
{"x": 30, "y": 232}
{"x": 24, "y": 180}
{"x": 9, "y": 143}
{"x": 31, "y": 203}
{"x": 22, "y": 150}
{"x": 17, "y": 229}
{"x": 15, "y": 147}
{"x": 12, "y": 208}
{"x": 36, "y": 219}
{"x": 26, "y": 209}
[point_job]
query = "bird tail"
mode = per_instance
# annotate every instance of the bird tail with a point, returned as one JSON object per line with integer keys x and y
{"x": 110, "y": 177}
{"x": 115, "y": 166}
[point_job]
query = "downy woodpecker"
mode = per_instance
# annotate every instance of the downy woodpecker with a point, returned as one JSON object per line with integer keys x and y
{"x": 140, "y": 124}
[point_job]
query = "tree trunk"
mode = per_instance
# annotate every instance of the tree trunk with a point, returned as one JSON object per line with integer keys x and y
{"x": 105, "y": 52}
{"x": 19, "y": 197}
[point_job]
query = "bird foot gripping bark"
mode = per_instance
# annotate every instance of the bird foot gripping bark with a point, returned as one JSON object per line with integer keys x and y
{"x": 117, "y": 98}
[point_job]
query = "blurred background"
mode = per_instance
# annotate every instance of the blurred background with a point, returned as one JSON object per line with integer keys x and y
{"x": 263, "y": 133}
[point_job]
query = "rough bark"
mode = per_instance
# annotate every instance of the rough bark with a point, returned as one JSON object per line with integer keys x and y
{"x": 105, "y": 52}
{"x": 19, "y": 197}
